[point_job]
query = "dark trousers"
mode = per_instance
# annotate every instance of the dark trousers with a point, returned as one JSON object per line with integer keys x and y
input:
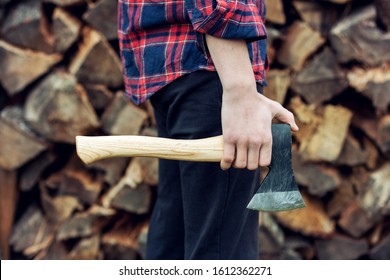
{"x": 200, "y": 211}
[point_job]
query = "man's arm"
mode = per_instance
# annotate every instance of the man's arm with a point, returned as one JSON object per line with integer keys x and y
{"x": 246, "y": 114}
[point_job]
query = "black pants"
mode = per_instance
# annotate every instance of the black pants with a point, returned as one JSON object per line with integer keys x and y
{"x": 200, "y": 212}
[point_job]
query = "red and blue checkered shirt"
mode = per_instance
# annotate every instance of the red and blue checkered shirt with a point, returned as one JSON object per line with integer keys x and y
{"x": 161, "y": 40}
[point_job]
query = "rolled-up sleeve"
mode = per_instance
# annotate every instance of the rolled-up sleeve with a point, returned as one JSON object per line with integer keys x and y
{"x": 229, "y": 19}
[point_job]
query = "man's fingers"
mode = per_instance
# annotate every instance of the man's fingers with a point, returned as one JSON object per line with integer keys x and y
{"x": 241, "y": 155}
{"x": 286, "y": 116}
{"x": 228, "y": 156}
{"x": 253, "y": 156}
{"x": 265, "y": 152}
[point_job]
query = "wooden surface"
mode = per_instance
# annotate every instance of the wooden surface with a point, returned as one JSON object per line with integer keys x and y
{"x": 93, "y": 148}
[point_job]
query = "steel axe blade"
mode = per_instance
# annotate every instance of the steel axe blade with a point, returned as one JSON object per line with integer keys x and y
{"x": 279, "y": 190}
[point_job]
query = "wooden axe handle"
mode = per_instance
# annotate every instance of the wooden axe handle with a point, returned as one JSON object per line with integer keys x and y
{"x": 93, "y": 148}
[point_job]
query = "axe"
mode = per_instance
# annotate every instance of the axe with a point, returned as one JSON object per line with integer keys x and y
{"x": 277, "y": 192}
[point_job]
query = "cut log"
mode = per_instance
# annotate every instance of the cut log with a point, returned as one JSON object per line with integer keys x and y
{"x": 96, "y": 62}
{"x": 354, "y": 153}
{"x": 65, "y": 29}
{"x": 355, "y": 221}
{"x": 87, "y": 249}
{"x": 31, "y": 172}
{"x": 275, "y": 12}
{"x": 382, "y": 250}
{"x": 321, "y": 79}
{"x": 85, "y": 224}
{"x": 120, "y": 243}
{"x": 60, "y": 208}
{"x": 271, "y": 235}
{"x": 383, "y": 139}
{"x": 123, "y": 117}
{"x": 273, "y": 36}
{"x": 327, "y": 142}
{"x": 134, "y": 200}
{"x": 17, "y": 142}
{"x": 25, "y": 26}
{"x": 310, "y": 221}
{"x": 301, "y": 41}
{"x": 278, "y": 84}
{"x": 152, "y": 117}
{"x": 375, "y": 128}
{"x": 8, "y": 202}
{"x": 99, "y": 96}
{"x": 376, "y": 234}
{"x": 78, "y": 183}
{"x": 318, "y": 178}
{"x": 142, "y": 240}
{"x": 319, "y": 15}
{"x": 376, "y": 198}
{"x": 300, "y": 245}
{"x": 373, "y": 83}
{"x": 341, "y": 198}
{"x": 103, "y": 17}
{"x": 56, "y": 251}
{"x": 83, "y": 184}
{"x": 383, "y": 12}
{"x": 322, "y": 134}
{"x": 31, "y": 232}
{"x": 58, "y": 109}
{"x": 365, "y": 120}
{"x": 142, "y": 170}
{"x": 341, "y": 247}
{"x": 112, "y": 169}
{"x": 372, "y": 152}
{"x": 21, "y": 67}
{"x": 306, "y": 117}
{"x": 358, "y": 177}
{"x": 357, "y": 37}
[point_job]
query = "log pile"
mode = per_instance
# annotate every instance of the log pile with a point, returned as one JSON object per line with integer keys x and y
{"x": 61, "y": 77}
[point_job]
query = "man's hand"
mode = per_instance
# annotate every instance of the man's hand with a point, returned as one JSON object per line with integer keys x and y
{"x": 246, "y": 124}
{"x": 246, "y": 114}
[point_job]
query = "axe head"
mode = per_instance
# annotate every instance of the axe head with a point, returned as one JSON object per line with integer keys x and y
{"x": 279, "y": 190}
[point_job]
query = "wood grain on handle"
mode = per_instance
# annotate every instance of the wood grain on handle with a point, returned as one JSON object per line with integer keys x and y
{"x": 93, "y": 148}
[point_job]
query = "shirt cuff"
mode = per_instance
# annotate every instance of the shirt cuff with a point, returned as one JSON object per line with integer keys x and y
{"x": 231, "y": 19}
{"x": 228, "y": 19}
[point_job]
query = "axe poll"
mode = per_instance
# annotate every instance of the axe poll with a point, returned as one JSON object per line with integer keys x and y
{"x": 277, "y": 192}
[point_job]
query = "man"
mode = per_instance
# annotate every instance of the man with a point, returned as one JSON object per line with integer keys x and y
{"x": 202, "y": 64}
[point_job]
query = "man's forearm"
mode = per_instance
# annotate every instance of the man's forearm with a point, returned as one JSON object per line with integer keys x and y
{"x": 231, "y": 59}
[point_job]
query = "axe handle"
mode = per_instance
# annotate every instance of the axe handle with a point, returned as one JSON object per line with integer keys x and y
{"x": 93, "y": 148}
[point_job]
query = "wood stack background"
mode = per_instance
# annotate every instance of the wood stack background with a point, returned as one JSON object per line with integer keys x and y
{"x": 61, "y": 77}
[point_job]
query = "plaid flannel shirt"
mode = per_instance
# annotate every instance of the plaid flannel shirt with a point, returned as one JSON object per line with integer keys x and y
{"x": 161, "y": 40}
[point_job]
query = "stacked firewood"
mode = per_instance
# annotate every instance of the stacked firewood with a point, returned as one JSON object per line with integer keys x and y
{"x": 61, "y": 77}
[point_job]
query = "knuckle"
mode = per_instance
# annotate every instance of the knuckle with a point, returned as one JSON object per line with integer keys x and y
{"x": 228, "y": 159}
{"x": 243, "y": 140}
{"x": 267, "y": 138}
{"x": 231, "y": 139}
{"x": 254, "y": 140}
{"x": 265, "y": 161}
{"x": 240, "y": 164}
